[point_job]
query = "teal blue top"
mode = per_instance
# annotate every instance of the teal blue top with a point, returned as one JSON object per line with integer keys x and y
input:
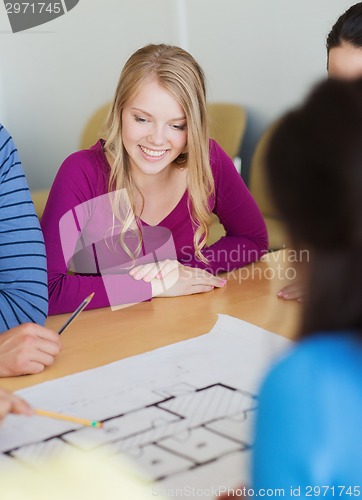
{"x": 309, "y": 426}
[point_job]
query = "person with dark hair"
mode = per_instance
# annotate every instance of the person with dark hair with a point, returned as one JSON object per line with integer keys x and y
{"x": 344, "y": 45}
{"x": 308, "y": 433}
{"x": 344, "y": 61}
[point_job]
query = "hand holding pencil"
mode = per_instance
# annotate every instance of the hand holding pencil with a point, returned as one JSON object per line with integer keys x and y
{"x": 27, "y": 349}
{"x": 60, "y": 416}
{"x": 11, "y": 403}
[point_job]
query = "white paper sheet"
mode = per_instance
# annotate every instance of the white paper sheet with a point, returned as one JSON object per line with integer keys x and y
{"x": 184, "y": 412}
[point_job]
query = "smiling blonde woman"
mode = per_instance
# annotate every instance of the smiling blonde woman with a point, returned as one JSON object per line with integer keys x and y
{"x": 157, "y": 150}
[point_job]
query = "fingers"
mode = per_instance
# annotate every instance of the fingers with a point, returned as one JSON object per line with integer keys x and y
{"x": 163, "y": 269}
{"x": 200, "y": 289}
{"x": 295, "y": 291}
{"x": 29, "y": 362}
{"x": 5, "y": 407}
{"x": 218, "y": 282}
{"x": 140, "y": 272}
{"x": 10, "y": 403}
{"x": 27, "y": 349}
{"x": 202, "y": 281}
{"x": 41, "y": 345}
{"x": 148, "y": 272}
{"x": 21, "y": 407}
{"x": 186, "y": 281}
{"x": 48, "y": 346}
{"x": 168, "y": 267}
{"x": 42, "y": 333}
{"x": 214, "y": 282}
{"x": 207, "y": 283}
{"x": 34, "y": 367}
{"x": 42, "y": 355}
{"x": 202, "y": 277}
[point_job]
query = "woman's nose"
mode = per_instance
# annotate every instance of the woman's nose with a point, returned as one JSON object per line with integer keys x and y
{"x": 157, "y": 135}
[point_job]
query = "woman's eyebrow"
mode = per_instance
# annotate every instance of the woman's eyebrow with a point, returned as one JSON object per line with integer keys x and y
{"x": 180, "y": 118}
{"x": 142, "y": 111}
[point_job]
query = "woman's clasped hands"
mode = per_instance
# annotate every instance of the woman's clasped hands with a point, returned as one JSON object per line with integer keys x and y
{"x": 169, "y": 278}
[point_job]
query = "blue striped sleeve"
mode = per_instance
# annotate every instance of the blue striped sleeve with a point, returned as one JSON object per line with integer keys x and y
{"x": 23, "y": 274}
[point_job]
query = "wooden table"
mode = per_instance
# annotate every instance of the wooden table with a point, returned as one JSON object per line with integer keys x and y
{"x": 101, "y": 336}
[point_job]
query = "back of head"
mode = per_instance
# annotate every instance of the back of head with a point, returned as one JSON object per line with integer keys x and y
{"x": 348, "y": 28}
{"x": 314, "y": 166}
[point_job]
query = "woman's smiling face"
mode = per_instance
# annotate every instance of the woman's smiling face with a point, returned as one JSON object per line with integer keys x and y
{"x": 154, "y": 129}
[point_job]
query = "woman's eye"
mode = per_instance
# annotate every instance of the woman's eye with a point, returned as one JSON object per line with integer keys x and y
{"x": 179, "y": 127}
{"x": 139, "y": 119}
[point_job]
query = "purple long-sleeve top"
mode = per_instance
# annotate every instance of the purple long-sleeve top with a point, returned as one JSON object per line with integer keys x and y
{"x": 84, "y": 176}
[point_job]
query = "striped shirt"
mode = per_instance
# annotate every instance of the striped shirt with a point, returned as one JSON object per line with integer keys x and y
{"x": 23, "y": 276}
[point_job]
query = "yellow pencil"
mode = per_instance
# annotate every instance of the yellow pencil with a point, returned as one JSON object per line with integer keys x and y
{"x": 60, "y": 416}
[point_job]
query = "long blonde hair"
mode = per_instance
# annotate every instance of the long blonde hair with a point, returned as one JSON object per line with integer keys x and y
{"x": 180, "y": 75}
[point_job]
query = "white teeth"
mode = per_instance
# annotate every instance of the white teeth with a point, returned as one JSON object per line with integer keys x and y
{"x": 155, "y": 154}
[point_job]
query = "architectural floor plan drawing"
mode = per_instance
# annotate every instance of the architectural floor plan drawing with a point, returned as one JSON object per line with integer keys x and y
{"x": 188, "y": 429}
{"x": 183, "y": 413}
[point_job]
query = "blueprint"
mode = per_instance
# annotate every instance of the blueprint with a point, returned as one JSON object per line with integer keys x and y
{"x": 184, "y": 413}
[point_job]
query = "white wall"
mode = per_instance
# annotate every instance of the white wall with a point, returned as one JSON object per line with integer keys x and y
{"x": 263, "y": 54}
{"x": 56, "y": 75}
